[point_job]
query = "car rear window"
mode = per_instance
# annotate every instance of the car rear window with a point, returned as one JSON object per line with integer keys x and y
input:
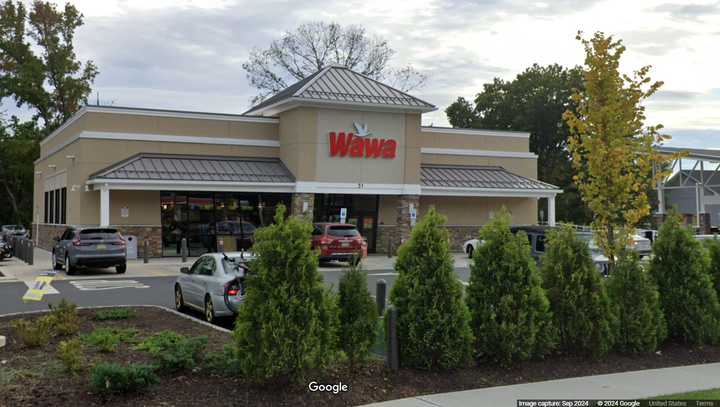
{"x": 343, "y": 231}
{"x": 99, "y": 234}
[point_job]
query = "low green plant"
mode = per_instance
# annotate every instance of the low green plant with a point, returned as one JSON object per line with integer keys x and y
{"x": 65, "y": 318}
{"x": 114, "y": 314}
{"x": 70, "y": 354}
{"x": 173, "y": 351}
{"x": 114, "y": 378}
{"x": 107, "y": 340}
{"x": 223, "y": 362}
{"x": 35, "y": 333}
{"x": 358, "y": 316}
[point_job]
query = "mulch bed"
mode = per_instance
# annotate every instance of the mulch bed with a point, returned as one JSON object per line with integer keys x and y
{"x": 39, "y": 380}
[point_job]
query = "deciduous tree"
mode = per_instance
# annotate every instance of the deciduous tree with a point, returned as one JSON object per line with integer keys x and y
{"x": 314, "y": 46}
{"x": 612, "y": 148}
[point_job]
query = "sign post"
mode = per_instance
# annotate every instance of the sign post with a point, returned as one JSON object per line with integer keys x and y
{"x": 413, "y": 215}
{"x": 343, "y": 215}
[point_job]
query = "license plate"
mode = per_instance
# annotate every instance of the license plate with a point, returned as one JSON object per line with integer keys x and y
{"x": 101, "y": 247}
{"x": 345, "y": 244}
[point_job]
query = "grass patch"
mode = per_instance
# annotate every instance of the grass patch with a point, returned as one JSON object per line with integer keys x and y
{"x": 712, "y": 394}
{"x": 113, "y": 314}
{"x": 9, "y": 376}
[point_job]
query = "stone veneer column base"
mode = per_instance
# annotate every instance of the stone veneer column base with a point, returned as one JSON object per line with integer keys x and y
{"x": 46, "y": 234}
{"x": 151, "y": 232}
{"x": 458, "y": 234}
{"x": 298, "y": 199}
{"x": 402, "y": 222}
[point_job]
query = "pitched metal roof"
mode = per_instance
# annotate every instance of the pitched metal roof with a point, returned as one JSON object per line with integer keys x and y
{"x": 337, "y": 84}
{"x": 486, "y": 177}
{"x": 171, "y": 167}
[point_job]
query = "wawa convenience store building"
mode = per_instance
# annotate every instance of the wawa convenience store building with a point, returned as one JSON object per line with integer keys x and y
{"x": 335, "y": 146}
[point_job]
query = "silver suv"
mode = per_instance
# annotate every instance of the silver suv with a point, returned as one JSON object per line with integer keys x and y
{"x": 90, "y": 247}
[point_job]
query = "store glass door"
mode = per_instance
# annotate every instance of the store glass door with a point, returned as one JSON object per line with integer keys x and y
{"x": 362, "y": 211}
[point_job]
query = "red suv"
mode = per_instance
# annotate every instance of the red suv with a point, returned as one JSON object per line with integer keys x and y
{"x": 338, "y": 241}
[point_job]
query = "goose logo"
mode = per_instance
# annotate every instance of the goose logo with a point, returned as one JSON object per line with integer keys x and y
{"x": 360, "y": 144}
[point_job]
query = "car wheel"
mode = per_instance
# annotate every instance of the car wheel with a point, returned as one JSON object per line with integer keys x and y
{"x": 69, "y": 269}
{"x": 55, "y": 264}
{"x": 470, "y": 251}
{"x": 179, "y": 301}
{"x": 209, "y": 310}
{"x": 121, "y": 269}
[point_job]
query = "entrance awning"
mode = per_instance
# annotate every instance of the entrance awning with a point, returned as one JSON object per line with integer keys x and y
{"x": 195, "y": 172}
{"x": 464, "y": 180}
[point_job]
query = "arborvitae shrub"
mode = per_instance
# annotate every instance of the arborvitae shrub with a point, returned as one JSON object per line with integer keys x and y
{"x": 433, "y": 321}
{"x": 358, "y": 315}
{"x": 713, "y": 248}
{"x": 641, "y": 324}
{"x": 582, "y": 311}
{"x": 511, "y": 317}
{"x": 114, "y": 378}
{"x": 680, "y": 265}
{"x": 288, "y": 321}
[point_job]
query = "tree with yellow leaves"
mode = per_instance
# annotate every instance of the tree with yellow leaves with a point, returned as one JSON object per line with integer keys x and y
{"x": 612, "y": 150}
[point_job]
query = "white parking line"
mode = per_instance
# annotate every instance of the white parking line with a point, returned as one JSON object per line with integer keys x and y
{"x": 101, "y": 285}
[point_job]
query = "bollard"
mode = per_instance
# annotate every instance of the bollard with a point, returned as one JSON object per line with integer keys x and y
{"x": 22, "y": 249}
{"x": 392, "y": 357}
{"x": 31, "y": 252}
{"x": 389, "y": 250}
{"x": 183, "y": 249}
{"x": 146, "y": 250}
{"x": 380, "y": 291}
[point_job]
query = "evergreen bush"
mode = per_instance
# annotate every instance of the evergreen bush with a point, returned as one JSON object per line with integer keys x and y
{"x": 510, "y": 314}
{"x": 288, "y": 321}
{"x": 358, "y": 315}
{"x": 713, "y": 248}
{"x": 433, "y": 324}
{"x": 641, "y": 324}
{"x": 35, "y": 333}
{"x": 680, "y": 266}
{"x": 582, "y": 311}
{"x": 174, "y": 352}
{"x": 107, "y": 340}
{"x": 115, "y": 378}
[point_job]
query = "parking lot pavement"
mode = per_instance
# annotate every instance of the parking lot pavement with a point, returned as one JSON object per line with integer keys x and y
{"x": 377, "y": 266}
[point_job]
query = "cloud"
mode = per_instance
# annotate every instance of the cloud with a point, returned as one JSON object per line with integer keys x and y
{"x": 692, "y": 11}
{"x": 657, "y": 41}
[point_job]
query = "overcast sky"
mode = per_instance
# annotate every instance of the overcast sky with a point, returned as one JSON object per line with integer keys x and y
{"x": 184, "y": 54}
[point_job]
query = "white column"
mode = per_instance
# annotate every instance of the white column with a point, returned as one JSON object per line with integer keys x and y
{"x": 104, "y": 206}
{"x": 551, "y": 210}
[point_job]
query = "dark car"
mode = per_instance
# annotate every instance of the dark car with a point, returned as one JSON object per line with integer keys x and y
{"x": 89, "y": 247}
{"x": 338, "y": 241}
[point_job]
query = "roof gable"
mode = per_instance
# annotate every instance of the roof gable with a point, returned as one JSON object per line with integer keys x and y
{"x": 341, "y": 86}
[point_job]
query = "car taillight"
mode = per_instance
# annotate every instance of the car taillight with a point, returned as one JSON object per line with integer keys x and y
{"x": 76, "y": 242}
{"x": 325, "y": 241}
{"x": 233, "y": 288}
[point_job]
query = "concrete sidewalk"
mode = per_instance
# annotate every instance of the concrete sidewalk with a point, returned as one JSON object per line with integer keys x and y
{"x": 631, "y": 385}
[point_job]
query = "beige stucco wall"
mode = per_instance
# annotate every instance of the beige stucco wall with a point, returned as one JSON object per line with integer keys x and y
{"x": 143, "y": 207}
{"x": 298, "y": 139}
{"x": 437, "y": 139}
{"x": 146, "y": 124}
{"x": 477, "y": 210}
{"x": 527, "y": 167}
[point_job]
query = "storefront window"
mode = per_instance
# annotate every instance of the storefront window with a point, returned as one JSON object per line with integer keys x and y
{"x": 208, "y": 220}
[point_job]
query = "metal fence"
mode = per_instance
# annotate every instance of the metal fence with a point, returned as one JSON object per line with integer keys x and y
{"x": 23, "y": 249}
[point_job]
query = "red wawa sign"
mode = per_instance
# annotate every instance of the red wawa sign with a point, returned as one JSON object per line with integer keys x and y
{"x": 360, "y": 145}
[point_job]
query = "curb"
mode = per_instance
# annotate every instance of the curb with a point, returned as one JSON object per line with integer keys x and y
{"x": 160, "y": 307}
